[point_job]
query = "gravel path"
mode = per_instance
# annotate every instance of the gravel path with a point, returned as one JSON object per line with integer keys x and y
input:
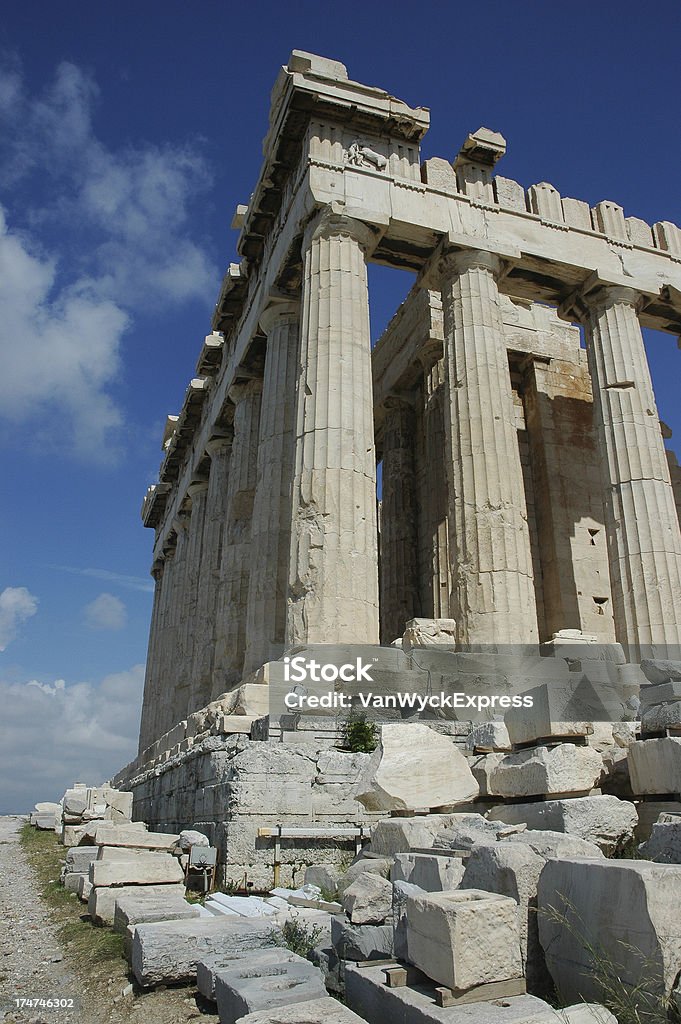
{"x": 32, "y": 962}
{"x": 34, "y": 966}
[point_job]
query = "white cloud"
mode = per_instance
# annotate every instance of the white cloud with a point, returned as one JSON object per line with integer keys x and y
{"x": 106, "y": 612}
{"x": 130, "y": 582}
{"x": 88, "y": 235}
{"x": 17, "y": 605}
{"x": 54, "y": 734}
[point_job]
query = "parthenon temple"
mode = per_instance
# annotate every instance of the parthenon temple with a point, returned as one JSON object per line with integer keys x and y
{"x": 496, "y": 460}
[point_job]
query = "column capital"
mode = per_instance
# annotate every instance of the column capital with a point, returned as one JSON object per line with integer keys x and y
{"x": 594, "y": 297}
{"x": 196, "y": 488}
{"x": 219, "y": 444}
{"x": 277, "y": 312}
{"x": 157, "y": 568}
{"x": 244, "y": 389}
{"x": 330, "y": 223}
{"x": 459, "y": 261}
{"x": 397, "y": 402}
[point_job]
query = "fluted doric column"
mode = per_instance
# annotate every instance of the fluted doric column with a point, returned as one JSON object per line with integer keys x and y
{"x": 219, "y": 450}
{"x": 493, "y": 599}
{"x": 333, "y": 586}
{"x": 271, "y": 531}
{"x": 197, "y": 493}
{"x": 399, "y": 586}
{"x": 433, "y": 493}
{"x": 644, "y": 540}
{"x": 230, "y": 645}
{"x": 151, "y": 679}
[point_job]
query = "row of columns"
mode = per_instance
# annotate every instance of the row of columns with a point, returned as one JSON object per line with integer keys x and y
{"x": 278, "y": 546}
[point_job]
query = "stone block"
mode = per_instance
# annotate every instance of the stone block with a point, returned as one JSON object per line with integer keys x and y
{"x": 563, "y": 769}
{"x": 627, "y": 910}
{"x": 125, "y": 835}
{"x": 414, "y": 767}
{"x": 546, "y": 844}
{"x": 660, "y": 693}
{"x": 324, "y": 876}
{"x": 439, "y": 173}
{"x": 373, "y": 865}
{"x": 139, "y": 909}
{"x": 101, "y": 901}
{"x": 509, "y": 194}
{"x": 313, "y": 1011}
{"x": 361, "y": 941}
{"x": 79, "y": 858}
{"x": 463, "y": 831}
{"x": 548, "y": 715}
{"x": 168, "y": 951}
{"x": 655, "y": 766}
{"x": 429, "y": 872}
{"x": 429, "y": 632}
{"x": 72, "y": 835}
{"x": 136, "y": 872}
{"x": 447, "y": 931}
{"x": 606, "y": 821}
{"x": 664, "y": 844}
{"x": 400, "y": 835}
{"x": 513, "y": 870}
{"x": 368, "y": 900}
{"x": 270, "y": 956}
{"x": 648, "y": 813}
{"x": 483, "y": 767}
{"x": 367, "y": 993}
{"x": 243, "y": 989}
{"x": 71, "y": 880}
{"x": 48, "y": 807}
{"x": 488, "y": 737}
{"x": 661, "y": 716}
{"x": 84, "y": 888}
{"x": 660, "y": 672}
{"x": 401, "y": 893}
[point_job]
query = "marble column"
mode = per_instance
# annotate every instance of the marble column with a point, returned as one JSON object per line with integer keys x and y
{"x": 644, "y": 540}
{"x": 333, "y": 586}
{"x": 433, "y": 495}
{"x": 399, "y": 585}
{"x": 220, "y": 452}
{"x": 230, "y": 644}
{"x": 493, "y": 599}
{"x": 163, "y": 651}
{"x": 197, "y": 493}
{"x": 271, "y": 531}
{"x": 173, "y": 703}
{"x": 151, "y": 679}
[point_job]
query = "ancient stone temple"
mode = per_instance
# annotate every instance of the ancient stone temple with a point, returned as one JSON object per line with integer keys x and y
{"x": 508, "y": 410}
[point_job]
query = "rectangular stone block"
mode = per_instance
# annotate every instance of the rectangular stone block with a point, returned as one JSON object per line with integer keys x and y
{"x": 367, "y": 993}
{"x": 655, "y": 766}
{"x": 72, "y": 880}
{"x": 430, "y": 872}
{"x": 603, "y": 820}
{"x": 169, "y": 951}
{"x": 101, "y": 902}
{"x": 660, "y": 693}
{"x": 79, "y": 858}
{"x": 541, "y": 771}
{"x": 265, "y": 957}
{"x": 124, "y": 835}
{"x": 361, "y": 941}
{"x": 132, "y": 910}
{"x": 446, "y": 933}
{"x": 628, "y": 910}
{"x": 312, "y": 1011}
{"x": 136, "y": 872}
{"x": 240, "y": 990}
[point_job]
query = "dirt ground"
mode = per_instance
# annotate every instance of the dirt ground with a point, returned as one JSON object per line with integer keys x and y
{"x": 49, "y": 949}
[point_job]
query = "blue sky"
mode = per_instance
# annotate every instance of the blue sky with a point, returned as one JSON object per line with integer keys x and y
{"x": 128, "y": 134}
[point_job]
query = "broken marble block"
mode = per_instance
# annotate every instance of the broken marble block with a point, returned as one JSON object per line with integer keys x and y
{"x": 414, "y": 767}
{"x": 136, "y": 909}
{"x": 270, "y": 956}
{"x": 371, "y": 865}
{"x": 428, "y": 871}
{"x": 101, "y": 901}
{"x": 660, "y": 693}
{"x": 155, "y": 870}
{"x": 368, "y": 900}
{"x": 462, "y": 831}
{"x": 168, "y": 951}
{"x": 541, "y": 771}
{"x": 550, "y": 715}
{"x": 245, "y": 988}
{"x": 324, "y": 876}
{"x": 108, "y": 834}
{"x": 626, "y": 911}
{"x": 464, "y": 938}
{"x": 488, "y": 737}
{"x": 664, "y": 844}
{"x": 429, "y": 633}
{"x": 400, "y": 835}
{"x": 660, "y": 717}
{"x": 606, "y": 821}
{"x": 655, "y": 766}
{"x": 401, "y": 893}
{"x": 361, "y": 941}
{"x": 660, "y": 671}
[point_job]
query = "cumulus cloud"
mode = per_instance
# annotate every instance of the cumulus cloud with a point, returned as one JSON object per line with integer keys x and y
{"x": 106, "y": 612}
{"x": 88, "y": 236}
{"x": 17, "y": 604}
{"x": 52, "y": 734}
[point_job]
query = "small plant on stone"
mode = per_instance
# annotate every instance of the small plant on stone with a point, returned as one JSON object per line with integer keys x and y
{"x": 297, "y": 936}
{"x": 359, "y": 735}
